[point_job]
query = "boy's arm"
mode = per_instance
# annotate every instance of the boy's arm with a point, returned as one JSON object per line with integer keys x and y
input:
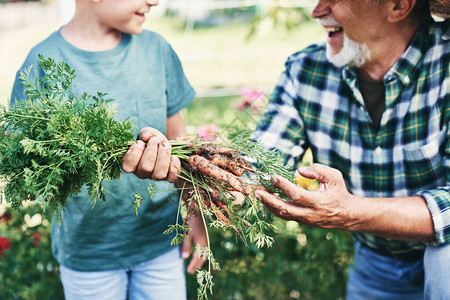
{"x": 175, "y": 127}
{"x": 197, "y": 234}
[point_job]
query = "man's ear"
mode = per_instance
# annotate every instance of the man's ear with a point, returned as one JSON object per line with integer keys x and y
{"x": 400, "y": 9}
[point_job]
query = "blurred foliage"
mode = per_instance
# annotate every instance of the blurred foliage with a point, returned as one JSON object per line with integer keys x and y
{"x": 28, "y": 269}
{"x": 276, "y": 18}
{"x": 303, "y": 263}
{"x": 263, "y": 19}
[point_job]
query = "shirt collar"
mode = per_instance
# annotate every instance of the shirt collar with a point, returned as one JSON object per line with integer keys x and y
{"x": 407, "y": 67}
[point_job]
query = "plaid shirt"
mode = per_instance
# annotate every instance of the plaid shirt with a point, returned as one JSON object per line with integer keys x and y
{"x": 319, "y": 106}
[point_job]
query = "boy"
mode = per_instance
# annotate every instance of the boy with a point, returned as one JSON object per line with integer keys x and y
{"x": 107, "y": 252}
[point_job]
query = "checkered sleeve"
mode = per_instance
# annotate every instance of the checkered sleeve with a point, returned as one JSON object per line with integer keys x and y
{"x": 438, "y": 199}
{"x": 281, "y": 126}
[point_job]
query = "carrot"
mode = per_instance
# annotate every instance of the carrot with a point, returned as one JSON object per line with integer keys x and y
{"x": 213, "y": 148}
{"x": 216, "y": 197}
{"x": 210, "y": 204}
{"x": 228, "y": 163}
{"x": 219, "y": 214}
{"x": 208, "y": 168}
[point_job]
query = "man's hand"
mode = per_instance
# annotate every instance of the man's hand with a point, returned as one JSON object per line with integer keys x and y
{"x": 152, "y": 160}
{"x": 196, "y": 236}
{"x": 328, "y": 207}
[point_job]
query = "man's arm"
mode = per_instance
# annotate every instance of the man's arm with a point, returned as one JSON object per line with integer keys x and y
{"x": 332, "y": 206}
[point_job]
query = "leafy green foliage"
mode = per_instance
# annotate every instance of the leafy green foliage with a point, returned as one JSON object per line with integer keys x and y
{"x": 267, "y": 162}
{"x": 54, "y": 142}
{"x": 28, "y": 271}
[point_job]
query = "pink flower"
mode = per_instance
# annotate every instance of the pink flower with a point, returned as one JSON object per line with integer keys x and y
{"x": 207, "y": 132}
{"x": 244, "y": 105}
{"x": 251, "y": 94}
{"x": 250, "y": 98}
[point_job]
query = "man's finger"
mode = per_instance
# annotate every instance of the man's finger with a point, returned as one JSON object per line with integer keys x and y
{"x": 277, "y": 206}
{"x": 132, "y": 157}
{"x": 320, "y": 173}
{"x": 293, "y": 191}
{"x": 280, "y": 208}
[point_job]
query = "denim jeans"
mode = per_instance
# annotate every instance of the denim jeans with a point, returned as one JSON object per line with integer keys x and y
{"x": 437, "y": 273}
{"x": 159, "y": 278}
{"x": 375, "y": 276}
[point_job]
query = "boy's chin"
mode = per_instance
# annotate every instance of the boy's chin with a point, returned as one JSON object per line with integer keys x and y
{"x": 134, "y": 31}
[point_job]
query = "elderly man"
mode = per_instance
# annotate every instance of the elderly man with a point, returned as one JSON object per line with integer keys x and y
{"x": 372, "y": 104}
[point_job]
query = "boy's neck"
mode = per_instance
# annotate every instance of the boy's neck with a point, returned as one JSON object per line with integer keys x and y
{"x": 90, "y": 36}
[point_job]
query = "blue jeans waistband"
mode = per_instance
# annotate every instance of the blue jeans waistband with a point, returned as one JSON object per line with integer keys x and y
{"x": 405, "y": 255}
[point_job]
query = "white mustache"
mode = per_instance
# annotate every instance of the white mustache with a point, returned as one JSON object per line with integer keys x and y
{"x": 329, "y": 21}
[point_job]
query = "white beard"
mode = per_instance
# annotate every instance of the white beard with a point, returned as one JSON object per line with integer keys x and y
{"x": 352, "y": 54}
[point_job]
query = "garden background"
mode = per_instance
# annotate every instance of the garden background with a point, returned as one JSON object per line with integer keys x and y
{"x": 232, "y": 57}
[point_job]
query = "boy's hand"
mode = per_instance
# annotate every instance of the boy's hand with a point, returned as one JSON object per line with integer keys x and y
{"x": 196, "y": 236}
{"x": 152, "y": 160}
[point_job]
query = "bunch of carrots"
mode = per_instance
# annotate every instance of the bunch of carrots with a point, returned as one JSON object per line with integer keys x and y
{"x": 225, "y": 168}
{"x": 219, "y": 183}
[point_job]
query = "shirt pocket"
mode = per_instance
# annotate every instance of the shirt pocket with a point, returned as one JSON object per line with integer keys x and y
{"x": 424, "y": 165}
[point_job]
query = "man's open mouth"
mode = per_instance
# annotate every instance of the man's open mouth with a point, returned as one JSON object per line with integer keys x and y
{"x": 333, "y": 30}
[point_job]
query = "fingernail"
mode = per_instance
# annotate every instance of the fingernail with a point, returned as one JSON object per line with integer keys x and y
{"x": 165, "y": 144}
{"x": 274, "y": 180}
{"x": 155, "y": 141}
{"x": 257, "y": 195}
{"x": 184, "y": 255}
{"x": 302, "y": 169}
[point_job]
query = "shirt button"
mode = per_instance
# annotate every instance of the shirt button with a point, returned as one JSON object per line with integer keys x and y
{"x": 406, "y": 79}
{"x": 378, "y": 150}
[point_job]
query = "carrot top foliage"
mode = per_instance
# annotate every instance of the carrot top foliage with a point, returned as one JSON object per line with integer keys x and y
{"x": 54, "y": 142}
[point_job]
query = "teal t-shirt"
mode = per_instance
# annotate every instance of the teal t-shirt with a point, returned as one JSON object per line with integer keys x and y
{"x": 145, "y": 78}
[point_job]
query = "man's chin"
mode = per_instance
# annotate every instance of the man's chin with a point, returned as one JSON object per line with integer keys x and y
{"x": 335, "y": 58}
{"x": 352, "y": 54}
